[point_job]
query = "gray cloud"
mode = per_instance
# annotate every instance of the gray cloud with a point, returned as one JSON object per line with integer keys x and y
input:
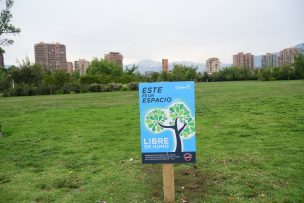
{"x": 176, "y": 29}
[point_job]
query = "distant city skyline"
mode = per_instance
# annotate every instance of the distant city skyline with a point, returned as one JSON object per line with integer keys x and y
{"x": 178, "y": 30}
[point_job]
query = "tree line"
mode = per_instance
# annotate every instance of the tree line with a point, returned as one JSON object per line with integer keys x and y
{"x": 294, "y": 71}
{"x": 102, "y": 75}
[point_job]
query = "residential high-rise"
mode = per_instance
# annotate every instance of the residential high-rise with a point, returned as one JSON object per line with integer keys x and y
{"x": 69, "y": 67}
{"x": 243, "y": 60}
{"x": 115, "y": 57}
{"x": 286, "y": 56}
{"x": 213, "y": 65}
{"x": 165, "y": 65}
{"x": 81, "y": 66}
{"x": 269, "y": 60}
{"x": 50, "y": 55}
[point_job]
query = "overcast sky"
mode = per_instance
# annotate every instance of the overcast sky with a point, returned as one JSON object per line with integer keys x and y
{"x": 179, "y": 30}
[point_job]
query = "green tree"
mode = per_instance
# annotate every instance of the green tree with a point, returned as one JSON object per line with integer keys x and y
{"x": 104, "y": 67}
{"x": 266, "y": 74}
{"x": 178, "y": 119}
{"x": 154, "y": 77}
{"x": 299, "y": 66}
{"x": 6, "y": 27}
{"x": 287, "y": 72}
{"x": 75, "y": 76}
{"x": 27, "y": 73}
{"x": 131, "y": 71}
{"x": 56, "y": 79}
{"x": 163, "y": 76}
{"x": 183, "y": 72}
{"x": 206, "y": 77}
{"x": 88, "y": 79}
{"x": 4, "y": 79}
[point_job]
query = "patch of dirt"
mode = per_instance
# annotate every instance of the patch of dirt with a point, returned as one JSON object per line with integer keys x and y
{"x": 191, "y": 182}
{"x": 153, "y": 180}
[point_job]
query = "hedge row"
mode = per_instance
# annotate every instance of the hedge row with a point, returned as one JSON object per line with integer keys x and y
{"x": 26, "y": 90}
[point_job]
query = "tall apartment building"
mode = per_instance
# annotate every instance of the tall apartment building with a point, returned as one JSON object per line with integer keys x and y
{"x": 213, "y": 65}
{"x": 165, "y": 65}
{"x": 81, "y": 66}
{"x": 69, "y": 67}
{"x": 270, "y": 60}
{"x": 286, "y": 56}
{"x": 50, "y": 55}
{"x": 115, "y": 57}
{"x": 243, "y": 60}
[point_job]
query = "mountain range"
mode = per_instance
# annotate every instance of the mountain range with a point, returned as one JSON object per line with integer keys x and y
{"x": 153, "y": 65}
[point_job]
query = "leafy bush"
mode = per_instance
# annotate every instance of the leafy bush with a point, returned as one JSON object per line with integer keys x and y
{"x": 94, "y": 87}
{"x": 104, "y": 88}
{"x": 124, "y": 88}
{"x": 133, "y": 86}
{"x": 66, "y": 89}
{"x": 18, "y": 91}
{"x": 29, "y": 90}
{"x": 59, "y": 92}
{"x": 114, "y": 86}
{"x": 84, "y": 89}
{"x": 75, "y": 88}
{"x": 43, "y": 90}
{"x": 6, "y": 93}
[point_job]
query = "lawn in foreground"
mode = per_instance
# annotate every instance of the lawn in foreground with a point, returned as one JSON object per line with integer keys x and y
{"x": 77, "y": 148}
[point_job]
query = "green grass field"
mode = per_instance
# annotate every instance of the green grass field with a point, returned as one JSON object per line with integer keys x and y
{"x": 77, "y": 148}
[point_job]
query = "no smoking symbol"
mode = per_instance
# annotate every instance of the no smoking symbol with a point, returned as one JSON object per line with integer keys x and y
{"x": 187, "y": 157}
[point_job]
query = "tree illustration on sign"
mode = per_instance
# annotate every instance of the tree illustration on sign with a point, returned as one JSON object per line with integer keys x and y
{"x": 177, "y": 118}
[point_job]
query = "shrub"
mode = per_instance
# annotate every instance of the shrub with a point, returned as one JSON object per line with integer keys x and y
{"x": 18, "y": 91}
{"x": 6, "y": 93}
{"x": 133, "y": 86}
{"x": 43, "y": 90}
{"x": 114, "y": 86}
{"x": 75, "y": 88}
{"x": 124, "y": 88}
{"x": 94, "y": 87}
{"x": 29, "y": 91}
{"x": 66, "y": 89}
{"x": 103, "y": 88}
{"x": 59, "y": 92}
{"x": 84, "y": 89}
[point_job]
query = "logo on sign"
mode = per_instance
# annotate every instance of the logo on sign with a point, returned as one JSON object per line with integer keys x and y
{"x": 187, "y": 157}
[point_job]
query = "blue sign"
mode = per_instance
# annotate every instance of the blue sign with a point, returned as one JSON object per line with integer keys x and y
{"x": 167, "y": 122}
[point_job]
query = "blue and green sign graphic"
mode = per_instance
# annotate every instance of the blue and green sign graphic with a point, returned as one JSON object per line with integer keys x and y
{"x": 167, "y": 122}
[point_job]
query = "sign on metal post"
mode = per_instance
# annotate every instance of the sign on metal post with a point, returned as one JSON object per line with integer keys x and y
{"x": 167, "y": 122}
